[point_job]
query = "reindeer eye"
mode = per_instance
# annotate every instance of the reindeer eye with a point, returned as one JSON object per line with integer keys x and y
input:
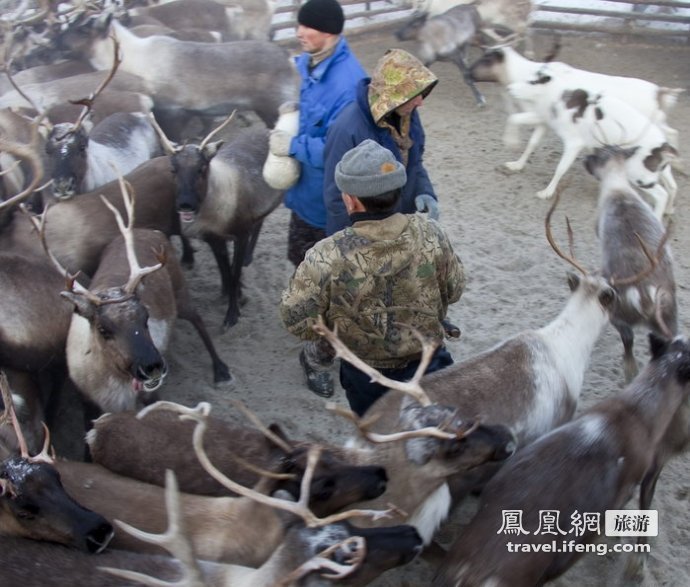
{"x": 105, "y": 333}
{"x": 27, "y": 511}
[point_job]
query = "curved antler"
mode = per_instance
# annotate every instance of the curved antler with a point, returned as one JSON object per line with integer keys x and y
{"x": 647, "y": 271}
{"x": 136, "y": 272}
{"x": 549, "y": 236}
{"x": 411, "y": 388}
{"x": 299, "y": 508}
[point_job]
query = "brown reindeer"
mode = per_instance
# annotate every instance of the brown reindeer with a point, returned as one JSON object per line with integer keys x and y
{"x": 626, "y": 227}
{"x": 531, "y": 381}
{"x": 116, "y": 333}
{"x": 197, "y": 87}
{"x": 221, "y": 196}
{"x": 418, "y": 462}
{"x": 591, "y": 464}
{"x": 33, "y": 502}
{"x": 358, "y": 555}
{"x": 213, "y": 522}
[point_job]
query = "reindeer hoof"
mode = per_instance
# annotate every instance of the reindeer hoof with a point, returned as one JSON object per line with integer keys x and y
{"x": 222, "y": 375}
{"x": 544, "y": 194}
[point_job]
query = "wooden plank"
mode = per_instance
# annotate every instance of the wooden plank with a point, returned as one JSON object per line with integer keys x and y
{"x": 610, "y": 30}
{"x": 677, "y": 18}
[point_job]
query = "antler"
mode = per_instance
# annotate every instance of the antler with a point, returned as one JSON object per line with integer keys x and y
{"x": 411, "y": 388}
{"x": 72, "y": 283}
{"x": 653, "y": 262}
{"x": 216, "y": 130}
{"x": 30, "y": 152}
{"x": 43, "y": 456}
{"x": 136, "y": 272}
{"x": 89, "y": 100}
{"x": 363, "y": 426}
{"x": 175, "y": 540}
{"x": 299, "y": 508}
{"x": 167, "y": 145}
{"x": 549, "y": 236}
{"x": 356, "y": 546}
{"x": 175, "y": 407}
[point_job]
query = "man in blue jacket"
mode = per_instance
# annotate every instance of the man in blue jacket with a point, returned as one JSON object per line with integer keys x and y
{"x": 329, "y": 72}
{"x": 385, "y": 111}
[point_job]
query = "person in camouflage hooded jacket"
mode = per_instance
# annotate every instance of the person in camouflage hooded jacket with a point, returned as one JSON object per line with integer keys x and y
{"x": 385, "y": 111}
{"x": 376, "y": 281}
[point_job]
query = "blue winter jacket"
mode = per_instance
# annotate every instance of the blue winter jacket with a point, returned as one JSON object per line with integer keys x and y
{"x": 324, "y": 92}
{"x": 354, "y": 124}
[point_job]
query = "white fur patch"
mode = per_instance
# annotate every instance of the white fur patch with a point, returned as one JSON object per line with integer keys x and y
{"x": 427, "y": 518}
{"x": 632, "y": 298}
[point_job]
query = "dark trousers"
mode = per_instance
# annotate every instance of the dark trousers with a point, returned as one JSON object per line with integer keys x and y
{"x": 302, "y": 236}
{"x": 361, "y": 392}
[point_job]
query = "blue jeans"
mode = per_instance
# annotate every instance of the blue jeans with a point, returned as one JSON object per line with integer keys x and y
{"x": 361, "y": 392}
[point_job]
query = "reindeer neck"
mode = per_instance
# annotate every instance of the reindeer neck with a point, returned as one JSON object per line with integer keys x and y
{"x": 655, "y": 395}
{"x": 573, "y": 334}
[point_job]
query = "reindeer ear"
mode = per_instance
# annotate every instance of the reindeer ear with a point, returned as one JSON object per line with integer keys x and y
{"x": 211, "y": 149}
{"x": 280, "y": 433}
{"x": 82, "y": 306}
{"x": 573, "y": 280}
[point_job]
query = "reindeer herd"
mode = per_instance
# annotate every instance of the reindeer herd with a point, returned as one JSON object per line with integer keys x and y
{"x": 121, "y": 129}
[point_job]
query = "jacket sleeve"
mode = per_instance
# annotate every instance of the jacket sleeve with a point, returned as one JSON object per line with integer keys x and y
{"x": 305, "y": 298}
{"x": 422, "y": 182}
{"x": 451, "y": 270}
{"x": 309, "y": 149}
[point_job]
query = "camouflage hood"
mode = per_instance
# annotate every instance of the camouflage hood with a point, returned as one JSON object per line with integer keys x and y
{"x": 397, "y": 78}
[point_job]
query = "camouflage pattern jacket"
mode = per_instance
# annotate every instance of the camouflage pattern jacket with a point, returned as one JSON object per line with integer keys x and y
{"x": 373, "y": 279}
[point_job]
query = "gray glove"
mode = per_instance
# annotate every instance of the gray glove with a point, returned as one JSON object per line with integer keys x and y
{"x": 427, "y": 203}
{"x": 279, "y": 143}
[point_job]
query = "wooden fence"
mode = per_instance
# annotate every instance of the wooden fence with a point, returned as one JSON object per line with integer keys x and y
{"x": 373, "y": 14}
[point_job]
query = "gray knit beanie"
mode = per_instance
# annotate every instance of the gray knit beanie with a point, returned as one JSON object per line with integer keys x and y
{"x": 369, "y": 170}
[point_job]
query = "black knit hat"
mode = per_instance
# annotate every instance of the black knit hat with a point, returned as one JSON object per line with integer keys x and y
{"x": 322, "y": 15}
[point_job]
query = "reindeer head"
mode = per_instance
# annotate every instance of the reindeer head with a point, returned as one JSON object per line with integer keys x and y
{"x": 33, "y": 502}
{"x": 66, "y": 148}
{"x": 469, "y": 444}
{"x": 189, "y": 165}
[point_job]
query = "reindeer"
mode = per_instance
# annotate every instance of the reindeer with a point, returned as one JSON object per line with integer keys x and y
{"x": 84, "y": 159}
{"x": 626, "y": 226}
{"x": 539, "y": 86}
{"x": 213, "y": 522}
{"x": 80, "y": 228}
{"x": 418, "y": 465}
{"x": 221, "y": 195}
{"x": 385, "y": 548}
{"x": 529, "y": 382}
{"x": 197, "y": 87}
{"x": 591, "y": 464}
{"x": 229, "y": 21}
{"x": 116, "y": 334}
{"x": 33, "y": 502}
{"x": 446, "y": 37}
{"x": 365, "y": 553}
{"x": 585, "y": 119}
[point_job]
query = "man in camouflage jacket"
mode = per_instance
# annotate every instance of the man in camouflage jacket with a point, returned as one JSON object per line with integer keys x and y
{"x": 377, "y": 280}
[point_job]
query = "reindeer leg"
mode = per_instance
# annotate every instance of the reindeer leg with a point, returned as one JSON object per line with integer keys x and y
{"x": 221, "y": 372}
{"x": 219, "y": 249}
{"x": 534, "y": 140}
{"x": 187, "y": 258}
{"x": 635, "y": 565}
{"x": 235, "y": 293}
{"x": 458, "y": 58}
{"x": 570, "y": 152}
{"x": 629, "y": 362}
{"x": 253, "y": 237}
